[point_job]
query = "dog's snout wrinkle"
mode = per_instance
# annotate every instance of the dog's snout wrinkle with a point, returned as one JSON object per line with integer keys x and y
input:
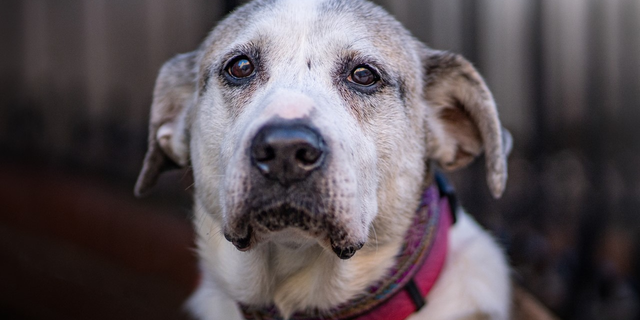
{"x": 287, "y": 153}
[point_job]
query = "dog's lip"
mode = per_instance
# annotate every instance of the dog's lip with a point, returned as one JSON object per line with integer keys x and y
{"x": 276, "y": 217}
{"x": 343, "y": 252}
{"x": 241, "y": 243}
{"x": 348, "y": 251}
{"x": 271, "y": 222}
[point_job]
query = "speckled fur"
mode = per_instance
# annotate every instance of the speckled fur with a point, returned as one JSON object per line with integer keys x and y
{"x": 428, "y": 107}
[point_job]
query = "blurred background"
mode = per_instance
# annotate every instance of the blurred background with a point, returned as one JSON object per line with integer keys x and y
{"x": 76, "y": 78}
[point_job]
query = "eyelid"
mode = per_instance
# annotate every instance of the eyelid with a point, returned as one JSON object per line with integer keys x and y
{"x": 234, "y": 57}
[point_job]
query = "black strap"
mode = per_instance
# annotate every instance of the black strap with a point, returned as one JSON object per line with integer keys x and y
{"x": 447, "y": 190}
{"x": 415, "y": 295}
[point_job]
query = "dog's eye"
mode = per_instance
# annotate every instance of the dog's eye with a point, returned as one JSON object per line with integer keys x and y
{"x": 363, "y": 76}
{"x": 240, "y": 67}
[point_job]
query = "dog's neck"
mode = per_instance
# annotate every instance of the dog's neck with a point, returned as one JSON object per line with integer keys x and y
{"x": 289, "y": 278}
{"x": 292, "y": 278}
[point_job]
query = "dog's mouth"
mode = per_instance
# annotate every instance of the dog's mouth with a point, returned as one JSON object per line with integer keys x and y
{"x": 263, "y": 224}
{"x": 278, "y": 217}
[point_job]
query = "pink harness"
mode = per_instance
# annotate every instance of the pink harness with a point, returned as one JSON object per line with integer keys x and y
{"x": 402, "y": 292}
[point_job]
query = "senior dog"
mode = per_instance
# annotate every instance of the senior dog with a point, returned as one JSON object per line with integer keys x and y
{"x": 313, "y": 129}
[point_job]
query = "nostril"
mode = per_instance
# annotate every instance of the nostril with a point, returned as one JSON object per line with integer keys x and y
{"x": 308, "y": 156}
{"x": 264, "y": 154}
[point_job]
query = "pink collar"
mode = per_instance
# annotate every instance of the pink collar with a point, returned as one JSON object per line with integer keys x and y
{"x": 402, "y": 292}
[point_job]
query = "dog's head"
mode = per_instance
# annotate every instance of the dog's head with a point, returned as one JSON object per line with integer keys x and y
{"x": 306, "y": 121}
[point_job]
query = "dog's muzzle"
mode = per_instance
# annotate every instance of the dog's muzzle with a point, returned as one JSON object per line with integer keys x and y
{"x": 288, "y": 190}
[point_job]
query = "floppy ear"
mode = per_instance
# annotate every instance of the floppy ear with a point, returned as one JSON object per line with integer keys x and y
{"x": 173, "y": 97}
{"x": 463, "y": 119}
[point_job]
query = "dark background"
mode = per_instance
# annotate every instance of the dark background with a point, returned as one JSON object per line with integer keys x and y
{"x": 76, "y": 78}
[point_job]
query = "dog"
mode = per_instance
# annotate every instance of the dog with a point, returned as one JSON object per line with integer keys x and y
{"x": 313, "y": 129}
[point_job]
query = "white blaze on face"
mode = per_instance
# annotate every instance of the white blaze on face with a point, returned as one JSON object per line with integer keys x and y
{"x": 288, "y": 105}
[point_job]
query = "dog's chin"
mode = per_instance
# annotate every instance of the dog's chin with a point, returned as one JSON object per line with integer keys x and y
{"x": 295, "y": 239}
{"x": 290, "y": 227}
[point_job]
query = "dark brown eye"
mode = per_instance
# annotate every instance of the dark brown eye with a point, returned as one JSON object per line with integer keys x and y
{"x": 363, "y": 76}
{"x": 240, "y": 68}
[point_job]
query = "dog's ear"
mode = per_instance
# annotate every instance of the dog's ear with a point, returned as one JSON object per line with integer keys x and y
{"x": 173, "y": 97}
{"x": 463, "y": 120}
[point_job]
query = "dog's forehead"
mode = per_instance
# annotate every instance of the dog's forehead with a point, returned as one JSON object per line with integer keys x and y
{"x": 313, "y": 29}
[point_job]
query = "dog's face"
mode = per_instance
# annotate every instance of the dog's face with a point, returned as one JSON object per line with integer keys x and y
{"x": 308, "y": 121}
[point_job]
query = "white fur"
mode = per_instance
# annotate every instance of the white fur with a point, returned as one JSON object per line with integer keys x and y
{"x": 289, "y": 105}
{"x": 474, "y": 284}
{"x": 381, "y": 147}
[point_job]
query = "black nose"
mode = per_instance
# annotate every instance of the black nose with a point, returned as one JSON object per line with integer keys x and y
{"x": 287, "y": 152}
